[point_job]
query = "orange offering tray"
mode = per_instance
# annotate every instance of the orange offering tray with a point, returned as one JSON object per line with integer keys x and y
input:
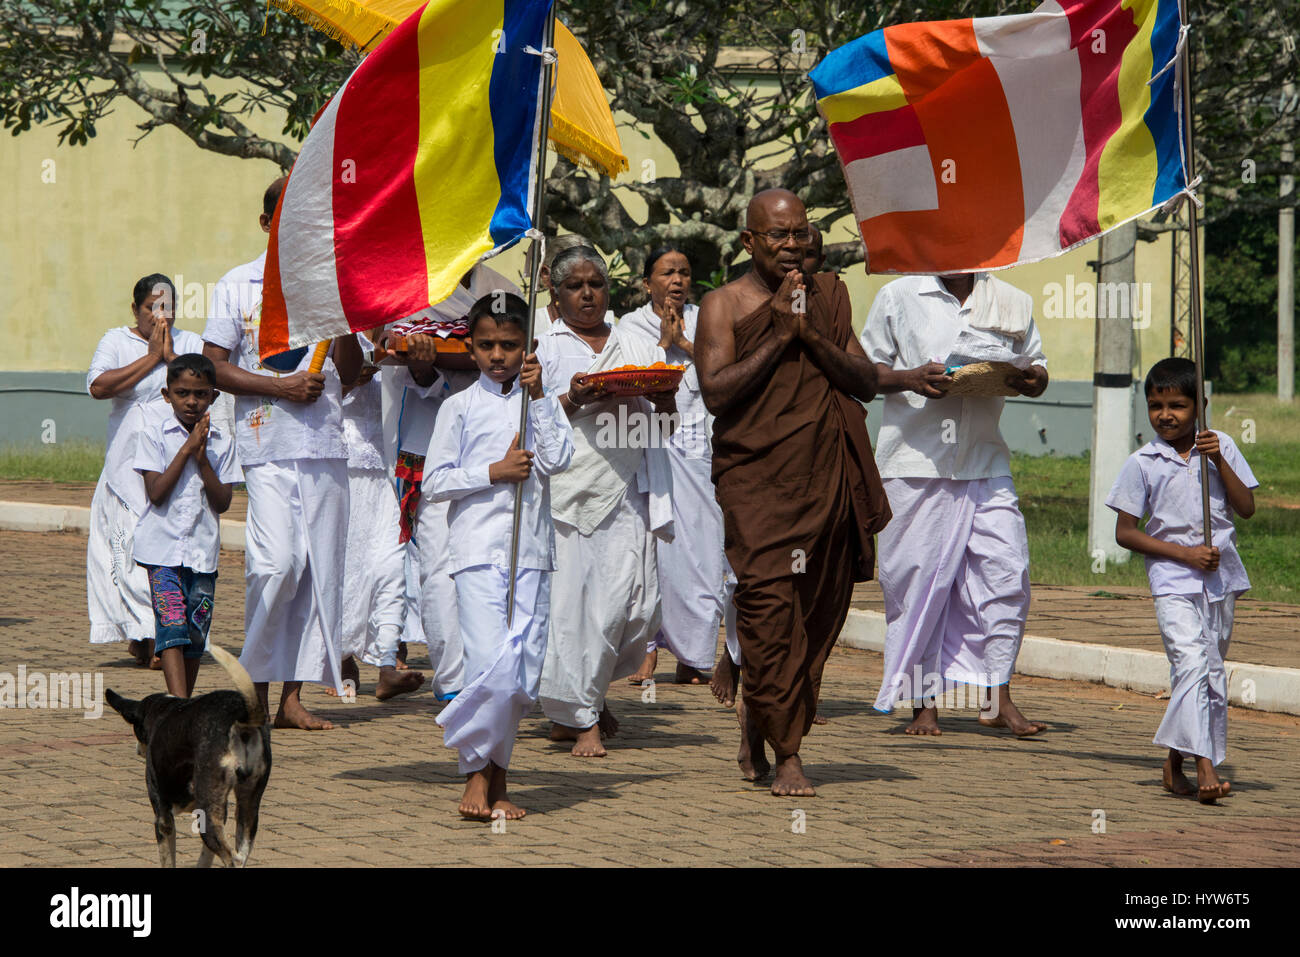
{"x": 637, "y": 380}
{"x": 397, "y": 343}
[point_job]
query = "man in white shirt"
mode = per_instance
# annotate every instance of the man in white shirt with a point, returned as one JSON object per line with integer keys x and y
{"x": 289, "y": 434}
{"x": 954, "y": 561}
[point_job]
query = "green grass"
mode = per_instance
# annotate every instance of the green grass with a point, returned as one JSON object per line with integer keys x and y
{"x": 78, "y": 460}
{"x": 1054, "y": 498}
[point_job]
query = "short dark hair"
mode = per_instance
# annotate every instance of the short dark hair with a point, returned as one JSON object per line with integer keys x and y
{"x": 659, "y": 254}
{"x": 502, "y": 307}
{"x": 272, "y": 196}
{"x": 195, "y": 362}
{"x": 1173, "y": 373}
{"x": 146, "y": 287}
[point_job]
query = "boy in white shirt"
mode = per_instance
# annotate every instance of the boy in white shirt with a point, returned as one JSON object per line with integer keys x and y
{"x": 1195, "y": 585}
{"x": 474, "y": 462}
{"x": 188, "y": 468}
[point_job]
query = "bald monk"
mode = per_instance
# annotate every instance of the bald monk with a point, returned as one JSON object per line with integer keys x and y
{"x": 781, "y": 369}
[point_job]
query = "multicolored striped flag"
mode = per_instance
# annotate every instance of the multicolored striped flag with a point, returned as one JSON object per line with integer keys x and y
{"x": 983, "y": 143}
{"x": 422, "y": 164}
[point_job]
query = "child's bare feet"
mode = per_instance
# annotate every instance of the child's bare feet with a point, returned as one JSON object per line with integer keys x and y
{"x": 474, "y": 803}
{"x": 393, "y": 682}
{"x": 924, "y": 721}
{"x": 647, "y": 670}
{"x": 349, "y": 671}
{"x": 1173, "y": 779}
{"x": 498, "y": 798}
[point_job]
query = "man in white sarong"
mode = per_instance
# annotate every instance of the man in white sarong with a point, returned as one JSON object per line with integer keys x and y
{"x": 954, "y": 561}
{"x": 289, "y": 433}
{"x": 130, "y": 369}
{"x": 374, "y": 573}
{"x": 413, "y": 398}
{"x": 693, "y": 577}
{"x": 608, "y": 507}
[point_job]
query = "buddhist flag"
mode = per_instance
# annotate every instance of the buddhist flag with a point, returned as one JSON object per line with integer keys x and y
{"x": 422, "y": 164}
{"x": 983, "y": 143}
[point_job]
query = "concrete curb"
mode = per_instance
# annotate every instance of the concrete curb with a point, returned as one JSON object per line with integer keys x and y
{"x": 32, "y": 517}
{"x": 1261, "y": 687}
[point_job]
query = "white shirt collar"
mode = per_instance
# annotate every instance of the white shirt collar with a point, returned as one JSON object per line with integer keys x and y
{"x": 494, "y": 387}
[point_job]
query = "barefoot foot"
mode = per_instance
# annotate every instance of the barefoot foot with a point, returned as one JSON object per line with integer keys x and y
{"x": 348, "y": 671}
{"x": 647, "y": 670}
{"x": 393, "y": 682}
{"x": 924, "y": 721}
{"x": 587, "y": 744}
{"x": 607, "y": 723}
{"x": 474, "y": 803}
{"x": 498, "y": 798}
{"x": 818, "y": 719}
{"x": 1007, "y": 715}
{"x": 726, "y": 675}
{"x": 752, "y": 756}
{"x": 293, "y": 715}
{"x": 401, "y": 656}
{"x": 790, "y": 780}
{"x": 686, "y": 675}
{"x": 1173, "y": 779}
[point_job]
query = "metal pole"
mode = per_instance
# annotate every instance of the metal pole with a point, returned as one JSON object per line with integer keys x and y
{"x": 534, "y": 271}
{"x": 1286, "y": 257}
{"x": 1194, "y": 268}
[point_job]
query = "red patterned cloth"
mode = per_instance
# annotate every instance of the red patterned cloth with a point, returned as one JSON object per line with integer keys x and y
{"x": 409, "y": 474}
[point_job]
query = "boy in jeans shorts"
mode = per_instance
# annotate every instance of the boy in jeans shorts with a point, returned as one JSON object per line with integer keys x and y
{"x": 188, "y": 468}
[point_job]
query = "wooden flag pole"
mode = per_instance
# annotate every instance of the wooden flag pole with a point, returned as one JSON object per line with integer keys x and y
{"x": 1194, "y": 266}
{"x": 318, "y": 356}
{"x": 534, "y": 271}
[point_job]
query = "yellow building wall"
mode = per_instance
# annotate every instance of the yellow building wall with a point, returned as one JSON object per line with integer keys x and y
{"x": 114, "y": 212}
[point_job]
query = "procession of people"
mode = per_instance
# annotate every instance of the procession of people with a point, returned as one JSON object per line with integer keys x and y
{"x": 392, "y": 503}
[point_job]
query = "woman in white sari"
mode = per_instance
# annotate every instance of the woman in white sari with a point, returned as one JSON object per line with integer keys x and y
{"x": 129, "y": 369}
{"x": 694, "y": 579}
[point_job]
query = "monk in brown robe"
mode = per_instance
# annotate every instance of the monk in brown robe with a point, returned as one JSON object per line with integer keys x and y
{"x": 781, "y": 369}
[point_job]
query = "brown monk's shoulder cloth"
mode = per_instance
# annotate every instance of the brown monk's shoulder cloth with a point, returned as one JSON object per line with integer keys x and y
{"x": 786, "y": 457}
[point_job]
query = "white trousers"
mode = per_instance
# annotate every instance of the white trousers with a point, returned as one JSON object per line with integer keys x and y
{"x": 293, "y": 569}
{"x": 503, "y": 665}
{"x": 374, "y": 570}
{"x": 954, "y": 569}
{"x": 1196, "y": 633}
{"x": 117, "y": 589}
{"x": 413, "y": 631}
{"x": 438, "y": 608}
{"x": 604, "y": 608}
{"x": 692, "y": 567}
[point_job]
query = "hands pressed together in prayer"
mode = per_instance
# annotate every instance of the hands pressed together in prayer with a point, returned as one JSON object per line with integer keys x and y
{"x": 160, "y": 340}
{"x": 790, "y": 308}
{"x": 672, "y": 328}
{"x": 196, "y": 446}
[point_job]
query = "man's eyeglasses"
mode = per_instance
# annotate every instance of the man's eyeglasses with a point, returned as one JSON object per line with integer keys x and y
{"x": 778, "y": 236}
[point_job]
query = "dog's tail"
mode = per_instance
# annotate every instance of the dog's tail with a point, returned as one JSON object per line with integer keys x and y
{"x": 243, "y": 681}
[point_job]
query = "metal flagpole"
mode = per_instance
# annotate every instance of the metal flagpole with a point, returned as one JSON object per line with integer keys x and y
{"x": 534, "y": 271}
{"x": 1194, "y": 266}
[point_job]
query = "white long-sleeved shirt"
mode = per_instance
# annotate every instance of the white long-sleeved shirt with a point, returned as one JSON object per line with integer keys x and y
{"x": 474, "y": 430}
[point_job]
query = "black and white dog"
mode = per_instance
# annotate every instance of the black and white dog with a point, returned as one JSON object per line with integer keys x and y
{"x": 196, "y": 751}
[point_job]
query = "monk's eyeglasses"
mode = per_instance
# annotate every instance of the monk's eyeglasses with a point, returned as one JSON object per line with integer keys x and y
{"x": 778, "y": 236}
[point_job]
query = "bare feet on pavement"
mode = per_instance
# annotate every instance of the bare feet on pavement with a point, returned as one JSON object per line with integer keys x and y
{"x": 647, "y": 670}
{"x": 752, "y": 756}
{"x": 498, "y": 798}
{"x": 686, "y": 675}
{"x": 474, "y": 803}
{"x": 393, "y": 682}
{"x": 1173, "y": 779}
{"x": 1008, "y": 716}
{"x": 790, "y": 780}
{"x": 924, "y": 721}
{"x": 726, "y": 674}
{"x": 293, "y": 715}
{"x": 349, "y": 672}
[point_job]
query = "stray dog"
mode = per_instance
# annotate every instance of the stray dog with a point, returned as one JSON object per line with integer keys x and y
{"x": 196, "y": 750}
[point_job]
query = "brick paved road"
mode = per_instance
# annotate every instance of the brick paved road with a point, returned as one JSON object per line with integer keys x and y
{"x": 381, "y": 790}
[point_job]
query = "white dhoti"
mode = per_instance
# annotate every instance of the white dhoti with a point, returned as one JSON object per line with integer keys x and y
{"x": 604, "y": 608}
{"x": 117, "y": 589}
{"x": 438, "y": 609}
{"x": 293, "y": 568}
{"x": 692, "y": 567}
{"x": 374, "y": 570}
{"x": 954, "y": 569}
{"x": 503, "y": 666}
{"x": 1196, "y": 632}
